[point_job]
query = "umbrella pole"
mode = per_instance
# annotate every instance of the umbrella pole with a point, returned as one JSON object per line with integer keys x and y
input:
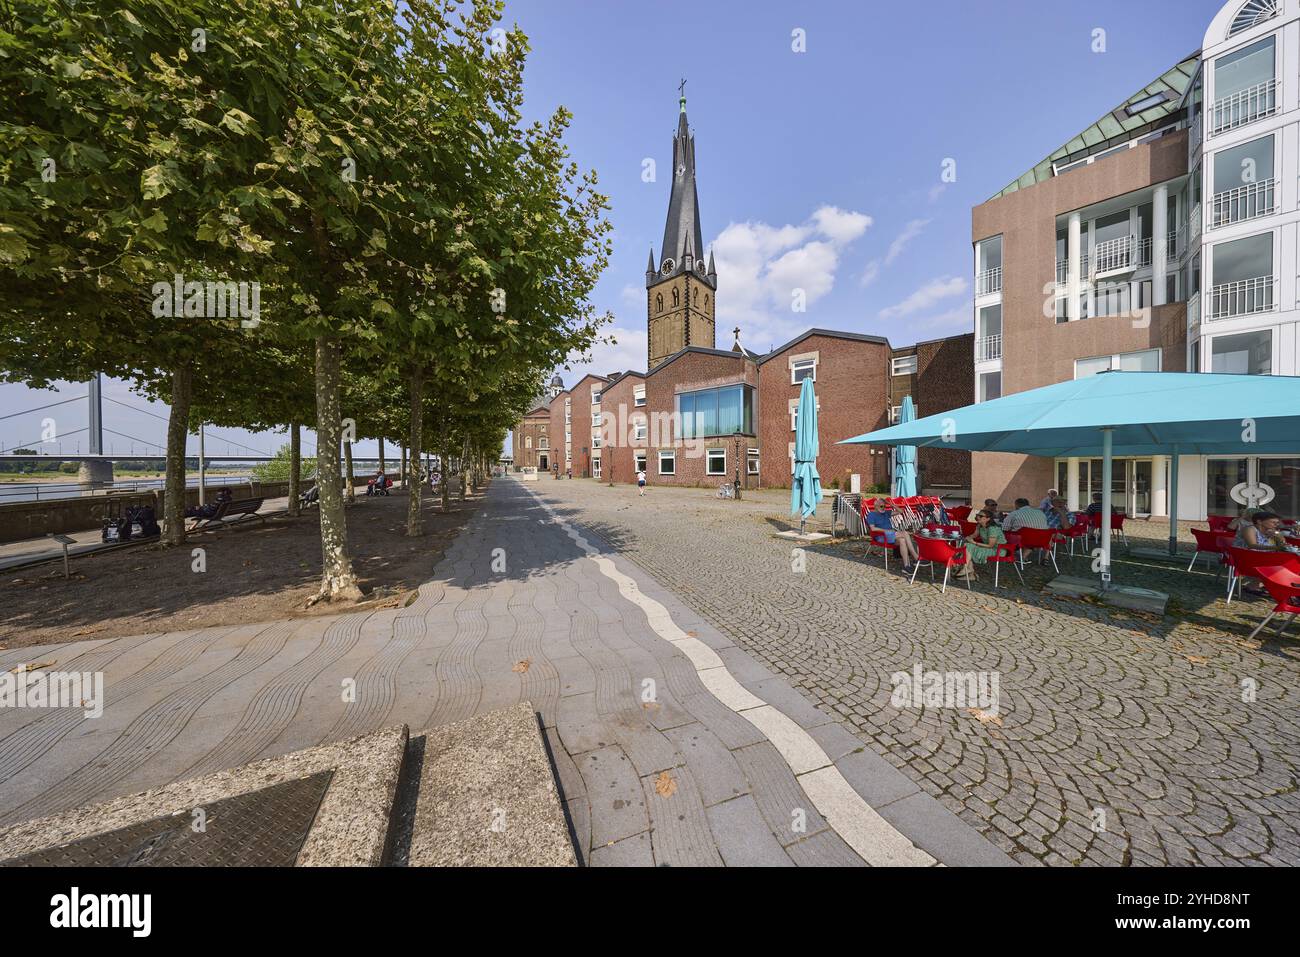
{"x": 1107, "y": 469}
{"x": 1173, "y": 503}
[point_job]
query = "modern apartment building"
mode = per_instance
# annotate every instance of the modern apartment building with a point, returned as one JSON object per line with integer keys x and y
{"x": 1161, "y": 238}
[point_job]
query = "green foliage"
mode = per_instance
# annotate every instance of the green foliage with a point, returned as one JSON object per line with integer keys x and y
{"x": 280, "y": 467}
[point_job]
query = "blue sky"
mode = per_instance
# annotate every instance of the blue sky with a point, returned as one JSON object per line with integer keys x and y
{"x": 818, "y": 170}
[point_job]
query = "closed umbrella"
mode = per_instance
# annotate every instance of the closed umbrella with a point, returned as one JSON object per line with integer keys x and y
{"x": 905, "y": 456}
{"x": 805, "y": 483}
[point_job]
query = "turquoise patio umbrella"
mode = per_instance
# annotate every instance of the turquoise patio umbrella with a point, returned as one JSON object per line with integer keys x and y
{"x": 905, "y": 455}
{"x": 805, "y": 483}
{"x": 1121, "y": 413}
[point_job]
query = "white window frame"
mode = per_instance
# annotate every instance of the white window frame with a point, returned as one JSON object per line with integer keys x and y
{"x": 1207, "y": 346}
{"x": 794, "y": 414}
{"x": 595, "y": 466}
{"x": 893, "y": 368}
{"x": 595, "y": 396}
{"x": 799, "y": 365}
{"x": 709, "y": 456}
{"x": 641, "y": 461}
{"x": 669, "y": 455}
{"x": 638, "y": 398}
{"x": 751, "y": 462}
{"x": 639, "y": 430}
{"x": 1116, "y": 356}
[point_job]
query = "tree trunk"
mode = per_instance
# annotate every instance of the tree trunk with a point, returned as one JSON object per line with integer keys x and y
{"x": 178, "y": 428}
{"x": 295, "y": 467}
{"x": 444, "y": 468}
{"x": 460, "y": 461}
{"x": 337, "y": 578}
{"x": 350, "y": 488}
{"x": 381, "y": 453}
{"x": 414, "y": 517}
{"x": 401, "y": 466}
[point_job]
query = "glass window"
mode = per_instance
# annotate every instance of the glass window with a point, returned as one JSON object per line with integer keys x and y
{"x": 639, "y": 431}
{"x": 1246, "y": 352}
{"x": 751, "y": 466}
{"x": 1242, "y": 165}
{"x": 640, "y": 461}
{"x": 990, "y": 386}
{"x": 1283, "y": 476}
{"x": 595, "y": 397}
{"x": 638, "y": 397}
{"x": 990, "y": 254}
{"x": 1145, "y": 361}
{"x": 667, "y": 462}
{"x": 905, "y": 365}
{"x": 686, "y": 414}
{"x": 1242, "y": 259}
{"x": 991, "y": 321}
{"x": 1221, "y": 476}
{"x": 1245, "y": 68}
{"x": 716, "y": 462}
{"x": 803, "y": 369}
{"x": 721, "y": 411}
{"x": 1087, "y": 367}
{"x": 1115, "y": 226}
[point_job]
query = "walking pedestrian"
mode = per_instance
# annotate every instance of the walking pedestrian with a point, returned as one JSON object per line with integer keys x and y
{"x": 640, "y": 482}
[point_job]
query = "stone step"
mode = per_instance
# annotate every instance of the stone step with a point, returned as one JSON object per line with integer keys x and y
{"x": 482, "y": 793}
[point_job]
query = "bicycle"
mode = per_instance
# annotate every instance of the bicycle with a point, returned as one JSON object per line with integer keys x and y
{"x": 726, "y": 490}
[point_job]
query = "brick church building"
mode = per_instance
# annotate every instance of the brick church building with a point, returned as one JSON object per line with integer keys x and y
{"x": 700, "y": 415}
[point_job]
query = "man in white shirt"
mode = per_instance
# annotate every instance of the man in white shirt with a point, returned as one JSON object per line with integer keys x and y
{"x": 640, "y": 482}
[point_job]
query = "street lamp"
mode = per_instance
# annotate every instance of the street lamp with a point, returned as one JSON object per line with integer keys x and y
{"x": 736, "y": 437}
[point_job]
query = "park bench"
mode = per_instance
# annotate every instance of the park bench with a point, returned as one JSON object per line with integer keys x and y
{"x": 231, "y": 513}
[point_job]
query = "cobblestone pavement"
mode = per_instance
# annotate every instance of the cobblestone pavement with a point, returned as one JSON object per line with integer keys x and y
{"x": 664, "y": 751}
{"x": 1120, "y": 739}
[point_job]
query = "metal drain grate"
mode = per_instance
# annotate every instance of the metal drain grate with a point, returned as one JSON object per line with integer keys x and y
{"x": 264, "y": 828}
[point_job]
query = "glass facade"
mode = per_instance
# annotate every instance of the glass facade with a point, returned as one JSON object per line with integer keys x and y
{"x": 723, "y": 411}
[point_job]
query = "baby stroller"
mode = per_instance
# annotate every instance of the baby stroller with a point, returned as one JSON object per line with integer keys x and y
{"x": 378, "y": 485}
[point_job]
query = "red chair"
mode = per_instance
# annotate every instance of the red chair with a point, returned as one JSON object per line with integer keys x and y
{"x": 1005, "y": 554}
{"x": 1249, "y": 563}
{"x": 880, "y": 538}
{"x": 1283, "y": 583}
{"x": 1220, "y": 523}
{"x": 1117, "y": 525}
{"x": 1042, "y": 538}
{"x": 1207, "y": 543}
{"x": 968, "y": 528}
{"x": 959, "y": 513}
{"x": 1076, "y": 531}
{"x": 935, "y": 550}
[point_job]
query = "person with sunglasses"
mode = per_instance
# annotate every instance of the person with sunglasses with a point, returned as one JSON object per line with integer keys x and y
{"x": 982, "y": 543}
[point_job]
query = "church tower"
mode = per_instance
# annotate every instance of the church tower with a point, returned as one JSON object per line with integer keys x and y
{"x": 680, "y": 288}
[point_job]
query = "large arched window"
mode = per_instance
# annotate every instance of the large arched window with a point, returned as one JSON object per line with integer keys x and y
{"x": 1253, "y": 13}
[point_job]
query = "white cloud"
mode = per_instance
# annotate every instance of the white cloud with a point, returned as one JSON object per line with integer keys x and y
{"x": 935, "y": 291}
{"x": 910, "y": 232}
{"x": 936, "y": 191}
{"x": 628, "y": 351}
{"x": 762, "y": 266}
{"x": 870, "y": 274}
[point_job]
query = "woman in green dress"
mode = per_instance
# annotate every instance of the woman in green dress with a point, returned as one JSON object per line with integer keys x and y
{"x": 982, "y": 542}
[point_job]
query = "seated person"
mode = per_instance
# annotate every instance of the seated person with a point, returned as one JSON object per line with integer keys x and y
{"x": 1024, "y": 516}
{"x": 1262, "y": 532}
{"x": 983, "y": 542}
{"x": 208, "y": 509}
{"x": 879, "y": 517}
{"x": 1052, "y": 496}
{"x": 1057, "y": 515}
{"x": 1094, "y": 507}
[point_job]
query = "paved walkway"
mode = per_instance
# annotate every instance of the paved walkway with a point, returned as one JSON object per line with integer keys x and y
{"x": 674, "y": 746}
{"x": 1120, "y": 739}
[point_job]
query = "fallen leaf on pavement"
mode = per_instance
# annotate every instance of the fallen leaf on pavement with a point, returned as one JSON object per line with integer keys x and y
{"x": 984, "y": 717}
{"x": 665, "y": 785}
{"x": 522, "y": 666}
{"x": 32, "y": 666}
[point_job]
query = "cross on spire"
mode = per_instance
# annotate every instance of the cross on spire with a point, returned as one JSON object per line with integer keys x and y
{"x": 681, "y": 90}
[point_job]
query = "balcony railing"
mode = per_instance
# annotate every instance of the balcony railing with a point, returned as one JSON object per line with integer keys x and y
{"x": 1114, "y": 255}
{"x": 1194, "y": 221}
{"x": 988, "y": 347}
{"x": 1193, "y": 311}
{"x": 1063, "y": 270}
{"x": 1243, "y": 202}
{"x": 989, "y": 281}
{"x": 1241, "y": 298}
{"x": 1244, "y": 107}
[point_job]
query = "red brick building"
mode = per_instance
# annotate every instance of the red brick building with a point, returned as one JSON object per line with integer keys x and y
{"x": 702, "y": 416}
